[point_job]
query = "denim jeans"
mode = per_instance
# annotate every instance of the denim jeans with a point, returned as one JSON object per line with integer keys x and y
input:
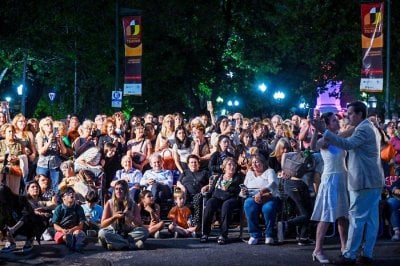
{"x": 52, "y": 174}
{"x": 253, "y": 210}
{"x": 298, "y": 191}
{"x": 363, "y": 219}
{"x": 109, "y": 236}
{"x": 394, "y": 207}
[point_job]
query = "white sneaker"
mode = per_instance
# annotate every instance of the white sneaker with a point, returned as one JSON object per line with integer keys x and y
{"x": 269, "y": 240}
{"x": 47, "y": 236}
{"x": 396, "y": 237}
{"x": 252, "y": 241}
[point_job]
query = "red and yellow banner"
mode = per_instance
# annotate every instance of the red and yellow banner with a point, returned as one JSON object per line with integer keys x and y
{"x": 133, "y": 55}
{"x": 372, "y": 44}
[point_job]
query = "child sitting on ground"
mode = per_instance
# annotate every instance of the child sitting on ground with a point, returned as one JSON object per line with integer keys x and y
{"x": 150, "y": 213}
{"x": 181, "y": 217}
{"x": 93, "y": 213}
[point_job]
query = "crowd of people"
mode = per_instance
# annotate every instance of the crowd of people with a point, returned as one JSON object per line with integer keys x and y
{"x": 110, "y": 178}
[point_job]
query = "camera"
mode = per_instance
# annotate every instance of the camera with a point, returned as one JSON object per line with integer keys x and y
{"x": 55, "y": 130}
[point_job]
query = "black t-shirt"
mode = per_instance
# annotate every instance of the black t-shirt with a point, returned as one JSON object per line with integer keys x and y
{"x": 194, "y": 181}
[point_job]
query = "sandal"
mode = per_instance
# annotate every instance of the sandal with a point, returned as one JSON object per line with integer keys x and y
{"x": 221, "y": 240}
{"x": 203, "y": 238}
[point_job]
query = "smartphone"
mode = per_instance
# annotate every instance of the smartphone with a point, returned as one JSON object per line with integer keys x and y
{"x": 233, "y": 123}
{"x": 55, "y": 130}
{"x": 310, "y": 115}
{"x": 242, "y": 186}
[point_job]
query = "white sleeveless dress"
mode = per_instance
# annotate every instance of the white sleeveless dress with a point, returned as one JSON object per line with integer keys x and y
{"x": 332, "y": 199}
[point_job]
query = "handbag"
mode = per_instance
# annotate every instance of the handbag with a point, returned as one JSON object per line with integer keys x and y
{"x": 388, "y": 152}
{"x": 221, "y": 194}
{"x": 168, "y": 159}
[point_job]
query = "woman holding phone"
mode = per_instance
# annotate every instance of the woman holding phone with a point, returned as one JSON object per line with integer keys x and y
{"x": 50, "y": 148}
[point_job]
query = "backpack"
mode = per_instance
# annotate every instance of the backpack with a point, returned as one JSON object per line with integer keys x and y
{"x": 298, "y": 163}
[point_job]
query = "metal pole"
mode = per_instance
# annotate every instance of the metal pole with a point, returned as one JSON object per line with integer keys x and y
{"x": 387, "y": 92}
{"x": 23, "y": 97}
{"x": 116, "y": 46}
{"x": 75, "y": 81}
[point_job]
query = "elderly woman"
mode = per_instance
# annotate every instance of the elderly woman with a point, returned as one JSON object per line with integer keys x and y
{"x": 50, "y": 147}
{"x": 10, "y": 151}
{"x": 224, "y": 192}
{"x": 121, "y": 226}
{"x": 191, "y": 181}
{"x": 86, "y": 139}
{"x": 261, "y": 189}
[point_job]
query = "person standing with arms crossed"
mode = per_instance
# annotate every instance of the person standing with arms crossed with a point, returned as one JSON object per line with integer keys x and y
{"x": 365, "y": 182}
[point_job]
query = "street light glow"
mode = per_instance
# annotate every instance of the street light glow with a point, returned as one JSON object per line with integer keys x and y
{"x": 279, "y": 95}
{"x": 219, "y": 99}
{"x": 236, "y": 103}
{"x": 8, "y": 99}
{"x": 19, "y": 89}
{"x": 262, "y": 87}
{"x": 230, "y": 103}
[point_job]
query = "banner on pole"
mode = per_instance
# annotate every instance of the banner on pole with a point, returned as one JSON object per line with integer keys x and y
{"x": 372, "y": 44}
{"x": 133, "y": 55}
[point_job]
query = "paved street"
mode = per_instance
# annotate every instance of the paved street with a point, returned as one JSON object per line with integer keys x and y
{"x": 191, "y": 252}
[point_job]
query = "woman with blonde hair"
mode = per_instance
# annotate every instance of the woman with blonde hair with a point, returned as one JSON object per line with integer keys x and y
{"x": 165, "y": 138}
{"x": 275, "y": 158}
{"x": 50, "y": 148}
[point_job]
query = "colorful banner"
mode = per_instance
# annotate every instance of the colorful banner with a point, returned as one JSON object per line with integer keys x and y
{"x": 133, "y": 55}
{"x": 372, "y": 43}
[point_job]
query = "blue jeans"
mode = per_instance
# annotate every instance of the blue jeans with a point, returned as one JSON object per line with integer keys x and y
{"x": 53, "y": 174}
{"x": 363, "y": 218}
{"x": 253, "y": 210}
{"x": 394, "y": 207}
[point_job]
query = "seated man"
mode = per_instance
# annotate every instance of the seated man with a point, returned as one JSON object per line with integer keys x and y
{"x": 131, "y": 175}
{"x": 158, "y": 180}
{"x": 68, "y": 221}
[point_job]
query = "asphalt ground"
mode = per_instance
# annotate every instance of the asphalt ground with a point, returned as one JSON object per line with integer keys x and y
{"x": 169, "y": 251}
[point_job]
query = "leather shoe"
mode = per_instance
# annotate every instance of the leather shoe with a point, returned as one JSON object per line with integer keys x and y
{"x": 342, "y": 260}
{"x": 365, "y": 260}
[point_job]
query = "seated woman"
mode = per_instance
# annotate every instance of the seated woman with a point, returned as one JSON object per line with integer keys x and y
{"x": 224, "y": 193}
{"x": 219, "y": 155}
{"x": 158, "y": 180}
{"x": 121, "y": 227}
{"x": 394, "y": 207}
{"x": 181, "y": 148}
{"x": 42, "y": 207}
{"x": 150, "y": 213}
{"x": 261, "y": 189}
{"x": 191, "y": 182}
{"x": 131, "y": 175}
{"x": 139, "y": 148}
{"x": 85, "y": 140}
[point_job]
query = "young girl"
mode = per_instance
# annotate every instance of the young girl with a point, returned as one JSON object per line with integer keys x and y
{"x": 150, "y": 213}
{"x": 181, "y": 217}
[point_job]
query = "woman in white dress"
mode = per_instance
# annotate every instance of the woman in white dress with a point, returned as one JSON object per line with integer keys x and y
{"x": 332, "y": 202}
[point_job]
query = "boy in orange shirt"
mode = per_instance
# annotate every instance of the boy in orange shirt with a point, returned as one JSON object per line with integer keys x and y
{"x": 181, "y": 217}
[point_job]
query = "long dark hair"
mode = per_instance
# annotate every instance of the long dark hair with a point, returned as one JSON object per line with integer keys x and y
{"x": 186, "y": 142}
